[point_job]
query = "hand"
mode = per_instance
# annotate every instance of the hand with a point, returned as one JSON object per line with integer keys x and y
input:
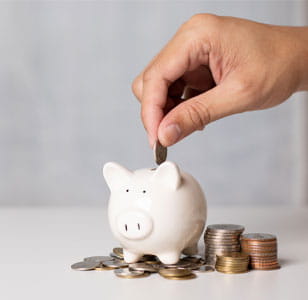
{"x": 222, "y": 66}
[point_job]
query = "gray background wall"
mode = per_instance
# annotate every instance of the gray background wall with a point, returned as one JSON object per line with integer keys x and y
{"x": 66, "y": 106}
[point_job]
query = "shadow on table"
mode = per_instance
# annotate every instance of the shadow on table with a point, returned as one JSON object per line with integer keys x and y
{"x": 284, "y": 262}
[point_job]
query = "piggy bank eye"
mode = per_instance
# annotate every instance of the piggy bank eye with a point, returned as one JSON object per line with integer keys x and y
{"x": 144, "y": 191}
{"x": 127, "y": 190}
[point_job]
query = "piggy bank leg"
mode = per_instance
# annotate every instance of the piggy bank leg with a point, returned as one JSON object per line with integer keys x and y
{"x": 192, "y": 250}
{"x": 131, "y": 257}
{"x": 169, "y": 257}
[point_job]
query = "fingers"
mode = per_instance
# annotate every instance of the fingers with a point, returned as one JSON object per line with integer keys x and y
{"x": 152, "y": 89}
{"x": 195, "y": 113}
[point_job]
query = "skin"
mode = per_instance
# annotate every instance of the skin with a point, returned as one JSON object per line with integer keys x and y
{"x": 216, "y": 66}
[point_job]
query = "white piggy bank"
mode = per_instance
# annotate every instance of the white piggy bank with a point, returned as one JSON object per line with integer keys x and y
{"x": 155, "y": 211}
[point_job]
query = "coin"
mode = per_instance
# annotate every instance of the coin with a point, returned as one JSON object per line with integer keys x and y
{"x": 174, "y": 272}
{"x": 262, "y": 249}
{"x": 142, "y": 267}
{"x": 126, "y": 273}
{"x": 98, "y": 258}
{"x": 232, "y": 263}
{"x": 115, "y": 256}
{"x": 118, "y": 252}
{"x": 191, "y": 276}
{"x": 259, "y": 237}
{"x": 221, "y": 239}
{"x": 228, "y": 228}
{"x": 114, "y": 264}
{"x": 160, "y": 152}
{"x": 85, "y": 265}
{"x": 206, "y": 269}
{"x": 195, "y": 258}
{"x": 104, "y": 268}
{"x": 180, "y": 264}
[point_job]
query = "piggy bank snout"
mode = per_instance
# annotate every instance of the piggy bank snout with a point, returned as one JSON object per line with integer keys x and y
{"x": 134, "y": 225}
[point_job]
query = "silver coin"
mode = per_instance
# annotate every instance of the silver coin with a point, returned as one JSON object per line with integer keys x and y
{"x": 160, "y": 152}
{"x": 195, "y": 258}
{"x": 206, "y": 269}
{"x": 221, "y": 247}
{"x": 126, "y": 273}
{"x": 212, "y": 249}
{"x": 193, "y": 266}
{"x": 225, "y": 228}
{"x": 115, "y": 256}
{"x": 98, "y": 258}
{"x": 259, "y": 236}
{"x": 115, "y": 264}
{"x": 223, "y": 234}
{"x": 142, "y": 267}
{"x": 180, "y": 264}
{"x": 222, "y": 237}
{"x": 85, "y": 265}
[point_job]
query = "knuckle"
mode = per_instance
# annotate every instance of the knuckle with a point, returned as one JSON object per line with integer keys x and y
{"x": 202, "y": 19}
{"x": 199, "y": 114}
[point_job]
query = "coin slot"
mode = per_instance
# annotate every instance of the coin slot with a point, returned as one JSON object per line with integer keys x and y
{"x": 126, "y": 227}
{"x": 138, "y": 226}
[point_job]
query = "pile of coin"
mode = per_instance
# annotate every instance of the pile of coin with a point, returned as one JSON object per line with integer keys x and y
{"x": 233, "y": 263}
{"x": 221, "y": 239}
{"x": 185, "y": 268}
{"x": 262, "y": 249}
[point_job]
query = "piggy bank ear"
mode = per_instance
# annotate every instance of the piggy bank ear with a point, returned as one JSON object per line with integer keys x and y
{"x": 168, "y": 174}
{"x": 115, "y": 175}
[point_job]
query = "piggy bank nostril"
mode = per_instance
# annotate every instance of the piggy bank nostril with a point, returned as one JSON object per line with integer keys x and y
{"x": 134, "y": 225}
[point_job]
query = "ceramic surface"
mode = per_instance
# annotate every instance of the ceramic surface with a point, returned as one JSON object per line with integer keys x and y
{"x": 155, "y": 211}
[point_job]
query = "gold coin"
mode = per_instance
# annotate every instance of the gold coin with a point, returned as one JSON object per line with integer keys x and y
{"x": 230, "y": 272}
{"x": 174, "y": 272}
{"x": 191, "y": 276}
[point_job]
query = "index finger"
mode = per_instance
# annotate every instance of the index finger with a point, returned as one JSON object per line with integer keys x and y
{"x": 168, "y": 66}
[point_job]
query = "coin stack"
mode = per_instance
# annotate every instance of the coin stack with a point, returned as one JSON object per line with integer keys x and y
{"x": 262, "y": 249}
{"x": 232, "y": 263}
{"x": 221, "y": 239}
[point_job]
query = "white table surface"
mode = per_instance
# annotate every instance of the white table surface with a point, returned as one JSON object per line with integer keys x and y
{"x": 38, "y": 245}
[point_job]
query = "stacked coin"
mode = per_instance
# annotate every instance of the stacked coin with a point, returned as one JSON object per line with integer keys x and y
{"x": 221, "y": 239}
{"x": 262, "y": 249}
{"x": 233, "y": 263}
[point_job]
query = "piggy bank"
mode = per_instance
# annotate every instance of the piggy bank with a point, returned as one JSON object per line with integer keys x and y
{"x": 158, "y": 211}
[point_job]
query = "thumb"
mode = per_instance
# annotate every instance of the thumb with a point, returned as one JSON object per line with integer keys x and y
{"x": 195, "y": 113}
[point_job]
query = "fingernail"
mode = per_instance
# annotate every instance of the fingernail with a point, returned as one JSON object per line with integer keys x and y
{"x": 172, "y": 133}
